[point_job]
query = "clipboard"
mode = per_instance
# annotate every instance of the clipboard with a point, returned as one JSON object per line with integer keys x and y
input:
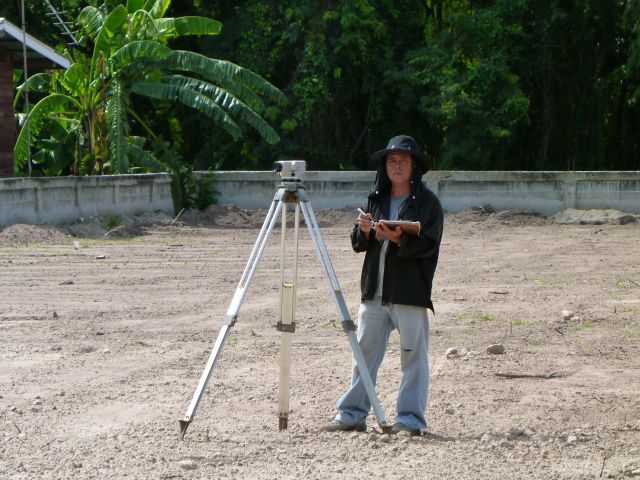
{"x": 411, "y": 228}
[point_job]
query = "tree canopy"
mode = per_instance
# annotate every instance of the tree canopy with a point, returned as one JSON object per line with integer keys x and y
{"x": 481, "y": 84}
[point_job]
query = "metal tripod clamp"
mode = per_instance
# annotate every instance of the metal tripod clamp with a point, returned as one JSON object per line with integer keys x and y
{"x": 286, "y": 327}
{"x": 230, "y": 320}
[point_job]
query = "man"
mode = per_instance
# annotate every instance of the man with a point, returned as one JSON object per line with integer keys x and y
{"x": 396, "y": 285}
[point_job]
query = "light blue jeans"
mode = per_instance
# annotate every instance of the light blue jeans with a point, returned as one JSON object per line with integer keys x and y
{"x": 375, "y": 323}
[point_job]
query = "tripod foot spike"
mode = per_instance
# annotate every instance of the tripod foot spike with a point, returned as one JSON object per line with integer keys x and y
{"x": 385, "y": 428}
{"x": 282, "y": 423}
{"x": 184, "y": 424}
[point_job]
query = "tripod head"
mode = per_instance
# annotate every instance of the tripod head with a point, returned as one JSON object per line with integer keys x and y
{"x": 291, "y": 170}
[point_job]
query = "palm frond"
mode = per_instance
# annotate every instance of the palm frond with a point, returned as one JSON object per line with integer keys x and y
{"x": 38, "y": 116}
{"x": 86, "y": 165}
{"x": 221, "y": 96}
{"x": 190, "y": 98}
{"x": 223, "y": 73}
{"x": 40, "y": 82}
{"x": 134, "y": 5}
{"x": 111, "y": 27}
{"x": 145, "y": 159}
{"x": 229, "y": 102}
{"x": 183, "y": 26}
{"x": 257, "y": 122}
{"x": 90, "y": 21}
{"x": 157, "y": 8}
{"x": 143, "y": 26}
{"x": 73, "y": 79}
{"x": 238, "y": 90}
{"x": 117, "y": 122}
{"x": 133, "y": 51}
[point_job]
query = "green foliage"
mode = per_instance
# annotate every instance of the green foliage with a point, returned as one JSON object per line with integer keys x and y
{"x": 485, "y": 317}
{"x": 123, "y": 53}
{"x": 470, "y": 91}
{"x": 112, "y": 222}
{"x": 497, "y": 84}
{"x": 188, "y": 190}
{"x": 492, "y": 84}
{"x": 204, "y": 193}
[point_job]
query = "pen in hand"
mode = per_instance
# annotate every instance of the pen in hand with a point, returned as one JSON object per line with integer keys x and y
{"x": 373, "y": 226}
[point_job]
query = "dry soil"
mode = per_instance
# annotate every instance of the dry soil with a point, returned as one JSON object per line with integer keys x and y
{"x": 103, "y": 339}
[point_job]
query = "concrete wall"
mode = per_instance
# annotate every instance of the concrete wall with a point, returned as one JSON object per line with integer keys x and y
{"x": 326, "y": 189}
{"x": 544, "y": 192}
{"x": 66, "y": 199}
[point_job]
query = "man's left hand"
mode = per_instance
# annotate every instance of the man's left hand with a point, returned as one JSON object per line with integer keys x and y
{"x": 393, "y": 234}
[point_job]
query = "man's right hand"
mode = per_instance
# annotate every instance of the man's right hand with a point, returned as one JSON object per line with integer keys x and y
{"x": 365, "y": 222}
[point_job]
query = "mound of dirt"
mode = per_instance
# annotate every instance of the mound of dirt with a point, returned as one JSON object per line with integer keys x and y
{"x": 232, "y": 216}
{"x": 117, "y": 227}
{"x": 337, "y": 217}
{"x": 20, "y": 234}
{"x": 94, "y": 227}
{"x": 226, "y": 216}
{"x": 593, "y": 217}
{"x": 486, "y": 214}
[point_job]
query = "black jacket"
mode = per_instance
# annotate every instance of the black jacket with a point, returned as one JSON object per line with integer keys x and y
{"x": 409, "y": 267}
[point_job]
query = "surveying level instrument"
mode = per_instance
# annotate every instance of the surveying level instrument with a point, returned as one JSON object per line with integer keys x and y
{"x": 291, "y": 190}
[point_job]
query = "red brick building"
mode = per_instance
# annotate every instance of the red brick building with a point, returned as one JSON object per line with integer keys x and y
{"x": 39, "y": 57}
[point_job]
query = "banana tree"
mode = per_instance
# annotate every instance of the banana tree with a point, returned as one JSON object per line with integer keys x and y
{"x": 123, "y": 52}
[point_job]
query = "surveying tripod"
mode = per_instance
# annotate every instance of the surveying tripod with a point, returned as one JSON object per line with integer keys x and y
{"x": 291, "y": 190}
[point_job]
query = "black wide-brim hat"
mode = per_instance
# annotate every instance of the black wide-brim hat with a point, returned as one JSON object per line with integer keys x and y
{"x": 403, "y": 143}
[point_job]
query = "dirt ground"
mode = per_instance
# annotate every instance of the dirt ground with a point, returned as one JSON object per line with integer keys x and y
{"x": 106, "y": 326}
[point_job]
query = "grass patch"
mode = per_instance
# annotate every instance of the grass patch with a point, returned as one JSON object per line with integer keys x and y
{"x": 477, "y": 316}
{"x": 629, "y": 310}
{"x": 581, "y": 326}
{"x": 31, "y": 248}
{"x": 543, "y": 282}
{"x": 521, "y": 322}
{"x": 142, "y": 343}
{"x": 485, "y": 317}
{"x": 629, "y": 332}
{"x": 625, "y": 285}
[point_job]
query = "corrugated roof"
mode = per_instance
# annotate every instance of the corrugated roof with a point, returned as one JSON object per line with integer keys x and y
{"x": 39, "y": 55}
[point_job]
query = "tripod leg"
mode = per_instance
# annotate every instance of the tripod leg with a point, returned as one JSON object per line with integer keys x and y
{"x": 347, "y": 324}
{"x": 286, "y": 326}
{"x": 232, "y": 312}
{"x": 204, "y": 380}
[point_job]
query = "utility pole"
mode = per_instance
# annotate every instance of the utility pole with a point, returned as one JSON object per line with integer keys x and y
{"x": 26, "y": 85}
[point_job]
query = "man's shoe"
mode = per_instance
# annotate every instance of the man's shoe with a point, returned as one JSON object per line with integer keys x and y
{"x": 338, "y": 426}
{"x": 401, "y": 427}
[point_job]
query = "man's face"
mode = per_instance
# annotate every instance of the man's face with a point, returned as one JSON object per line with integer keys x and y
{"x": 399, "y": 167}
